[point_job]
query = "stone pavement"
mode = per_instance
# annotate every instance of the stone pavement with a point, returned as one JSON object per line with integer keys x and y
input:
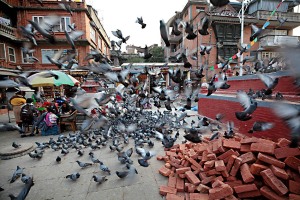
{"x": 50, "y": 181}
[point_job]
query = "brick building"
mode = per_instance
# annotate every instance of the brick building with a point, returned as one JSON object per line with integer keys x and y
{"x": 16, "y": 13}
{"x": 225, "y": 28}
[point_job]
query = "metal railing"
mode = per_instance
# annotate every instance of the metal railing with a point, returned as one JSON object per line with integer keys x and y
{"x": 7, "y": 31}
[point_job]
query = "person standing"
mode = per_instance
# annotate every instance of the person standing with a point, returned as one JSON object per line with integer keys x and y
{"x": 17, "y": 101}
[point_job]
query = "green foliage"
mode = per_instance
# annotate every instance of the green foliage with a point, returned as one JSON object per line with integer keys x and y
{"x": 135, "y": 60}
{"x": 157, "y": 55}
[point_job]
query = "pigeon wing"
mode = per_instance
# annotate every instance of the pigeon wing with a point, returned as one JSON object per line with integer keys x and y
{"x": 112, "y": 76}
{"x": 244, "y": 99}
{"x": 267, "y": 80}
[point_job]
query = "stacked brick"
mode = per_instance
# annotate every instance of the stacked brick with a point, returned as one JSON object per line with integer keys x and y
{"x": 237, "y": 168}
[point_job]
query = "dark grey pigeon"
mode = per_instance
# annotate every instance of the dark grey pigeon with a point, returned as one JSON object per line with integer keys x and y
{"x": 141, "y": 22}
{"x": 24, "y": 192}
{"x": 164, "y": 33}
{"x": 261, "y": 126}
{"x": 73, "y": 176}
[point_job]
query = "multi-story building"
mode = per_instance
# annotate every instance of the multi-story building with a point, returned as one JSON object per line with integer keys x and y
{"x": 16, "y": 13}
{"x": 225, "y": 30}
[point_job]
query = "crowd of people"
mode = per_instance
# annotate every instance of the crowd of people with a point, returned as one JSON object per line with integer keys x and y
{"x": 41, "y": 115}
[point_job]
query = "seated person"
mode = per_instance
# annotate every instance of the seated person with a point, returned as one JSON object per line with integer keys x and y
{"x": 66, "y": 108}
{"x": 47, "y": 122}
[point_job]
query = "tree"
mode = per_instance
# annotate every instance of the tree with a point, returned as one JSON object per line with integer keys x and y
{"x": 157, "y": 55}
{"x": 134, "y": 59}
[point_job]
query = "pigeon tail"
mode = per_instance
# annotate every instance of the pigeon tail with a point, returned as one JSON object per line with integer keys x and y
{"x": 268, "y": 92}
{"x": 203, "y": 32}
{"x": 143, "y": 25}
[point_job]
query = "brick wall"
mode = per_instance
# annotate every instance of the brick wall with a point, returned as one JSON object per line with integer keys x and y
{"x": 210, "y": 106}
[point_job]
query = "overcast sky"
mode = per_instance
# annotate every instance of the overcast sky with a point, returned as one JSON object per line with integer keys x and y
{"x": 122, "y": 14}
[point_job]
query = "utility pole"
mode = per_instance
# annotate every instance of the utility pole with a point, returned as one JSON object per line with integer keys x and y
{"x": 242, "y": 38}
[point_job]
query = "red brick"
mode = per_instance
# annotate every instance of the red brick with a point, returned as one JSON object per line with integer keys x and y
{"x": 215, "y": 147}
{"x": 294, "y": 196}
{"x": 294, "y": 187}
{"x": 246, "y": 174}
{"x": 170, "y": 153}
{"x": 172, "y": 181}
{"x": 220, "y": 192}
{"x": 198, "y": 196}
{"x": 216, "y": 183}
{"x": 193, "y": 162}
{"x": 208, "y": 180}
{"x": 286, "y": 152}
{"x": 236, "y": 166}
{"x": 283, "y": 142}
{"x": 227, "y": 158}
{"x": 244, "y": 188}
{"x": 220, "y": 146}
{"x": 159, "y": 158}
{"x": 209, "y": 164}
{"x": 264, "y": 141}
{"x": 234, "y": 183}
{"x": 219, "y": 165}
{"x": 212, "y": 172}
{"x": 183, "y": 176}
{"x": 280, "y": 173}
{"x": 168, "y": 165}
{"x": 245, "y": 148}
{"x": 230, "y": 162}
{"x": 193, "y": 167}
{"x": 192, "y": 178}
{"x": 202, "y": 175}
{"x": 173, "y": 197}
{"x": 270, "y": 160}
{"x": 226, "y": 154}
{"x": 249, "y": 140}
{"x": 192, "y": 154}
{"x": 269, "y": 194}
{"x": 174, "y": 160}
{"x": 231, "y": 178}
{"x": 292, "y": 162}
{"x": 257, "y": 168}
{"x": 293, "y": 175}
{"x": 263, "y": 147}
{"x": 187, "y": 196}
{"x": 164, "y": 171}
{"x": 232, "y": 144}
{"x": 189, "y": 187}
{"x": 225, "y": 173}
{"x": 211, "y": 156}
{"x": 220, "y": 178}
{"x": 251, "y": 194}
{"x": 231, "y": 197}
{"x": 248, "y": 157}
{"x": 202, "y": 188}
{"x": 299, "y": 169}
{"x": 204, "y": 155}
{"x": 163, "y": 190}
{"x": 272, "y": 181}
{"x": 180, "y": 184}
{"x": 182, "y": 170}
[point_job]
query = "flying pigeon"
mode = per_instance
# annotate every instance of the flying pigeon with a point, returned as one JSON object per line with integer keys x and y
{"x": 141, "y": 22}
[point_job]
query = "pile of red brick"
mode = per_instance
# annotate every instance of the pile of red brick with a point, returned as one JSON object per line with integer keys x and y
{"x": 232, "y": 168}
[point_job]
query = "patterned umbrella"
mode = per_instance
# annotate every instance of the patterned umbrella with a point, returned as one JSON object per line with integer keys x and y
{"x": 38, "y": 80}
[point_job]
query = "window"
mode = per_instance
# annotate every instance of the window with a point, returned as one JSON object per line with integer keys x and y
{"x": 24, "y": 56}
{"x": 2, "y": 51}
{"x": 227, "y": 51}
{"x": 92, "y": 34}
{"x": 268, "y": 54}
{"x": 200, "y": 9}
{"x": 99, "y": 43}
{"x": 11, "y": 54}
{"x": 50, "y": 53}
{"x": 60, "y": 26}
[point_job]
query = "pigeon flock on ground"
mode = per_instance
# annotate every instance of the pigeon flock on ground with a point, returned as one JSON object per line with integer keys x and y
{"x": 128, "y": 120}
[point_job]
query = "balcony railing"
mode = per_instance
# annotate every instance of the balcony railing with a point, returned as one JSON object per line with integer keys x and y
{"x": 7, "y": 31}
{"x": 291, "y": 17}
{"x": 278, "y": 40}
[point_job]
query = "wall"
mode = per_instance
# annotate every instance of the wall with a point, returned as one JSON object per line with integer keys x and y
{"x": 210, "y": 106}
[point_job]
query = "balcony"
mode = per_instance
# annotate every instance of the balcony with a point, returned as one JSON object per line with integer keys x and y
{"x": 278, "y": 40}
{"x": 291, "y": 16}
{"x": 8, "y": 31}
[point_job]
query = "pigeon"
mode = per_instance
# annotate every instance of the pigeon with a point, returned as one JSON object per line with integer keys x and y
{"x": 25, "y": 178}
{"x": 17, "y": 174}
{"x": 80, "y": 152}
{"x": 99, "y": 179}
{"x": 219, "y": 117}
{"x": 269, "y": 82}
{"x": 73, "y": 36}
{"x": 27, "y": 32}
{"x": 66, "y": 7}
{"x": 281, "y": 20}
{"x": 291, "y": 115}
{"x": 175, "y": 29}
{"x": 213, "y": 85}
{"x": 189, "y": 29}
{"x": 248, "y": 104}
{"x": 219, "y": 3}
{"x": 141, "y": 22}
{"x": 261, "y": 126}
{"x": 256, "y": 32}
{"x": 143, "y": 162}
{"x": 214, "y": 136}
{"x": 16, "y": 145}
{"x": 43, "y": 30}
{"x": 241, "y": 47}
{"x": 118, "y": 34}
{"x": 8, "y": 84}
{"x": 24, "y": 192}
{"x": 205, "y": 24}
{"x": 122, "y": 174}
{"x": 73, "y": 176}
{"x": 229, "y": 133}
{"x": 58, "y": 159}
{"x": 145, "y": 52}
{"x": 164, "y": 33}
{"x": 104, "y": 168}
